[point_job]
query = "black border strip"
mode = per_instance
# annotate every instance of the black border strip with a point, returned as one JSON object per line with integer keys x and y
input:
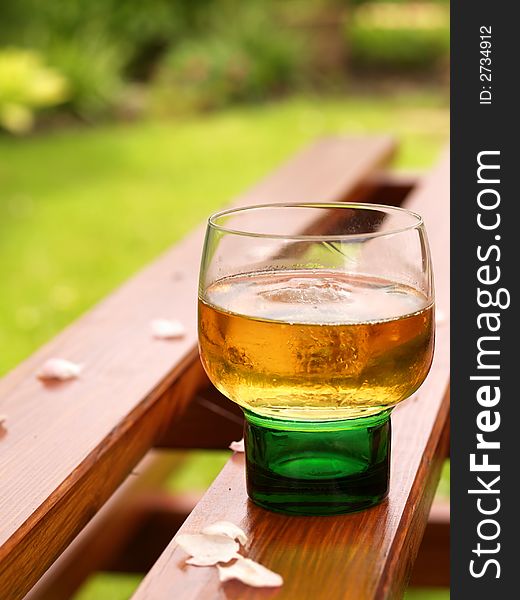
{"x": 489, "y": 131}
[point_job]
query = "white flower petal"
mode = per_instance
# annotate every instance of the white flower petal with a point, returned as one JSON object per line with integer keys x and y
{"x": 250, "y": 572}
{"x": 237, "y": 446}
{"x": 166, "y": 329}
{"x": 207, "y": 550}
{"x": 227, "y": 529}
{"x": 208, "y": 561}
{"x": 59, "y": 368}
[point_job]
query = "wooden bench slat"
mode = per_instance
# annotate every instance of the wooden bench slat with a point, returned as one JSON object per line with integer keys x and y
{"x": 364, "y": 555}
{"x": 66, "y": 447}
{"x": 109, "y": 532}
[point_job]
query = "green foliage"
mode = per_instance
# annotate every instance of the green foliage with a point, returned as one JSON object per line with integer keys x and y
{"x": 93, "y": 67}
{"x": 26, "y": 85}
{"x": 97, "y": 44}
{"x": 244, "y": 60}
{"x": 399, "y": 36}
{"x": 129, "y": 23}
{"x": 397, "y": 49}
{"x": 196, "y": 55}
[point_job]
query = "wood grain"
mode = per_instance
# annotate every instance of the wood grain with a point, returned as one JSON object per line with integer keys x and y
{"x": 110, "y": 532}
{"x": 66, "y": 447}
{"x": 368, "y": 555}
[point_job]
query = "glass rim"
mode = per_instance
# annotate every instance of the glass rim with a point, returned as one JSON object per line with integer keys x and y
{"x": 417, "y": 224}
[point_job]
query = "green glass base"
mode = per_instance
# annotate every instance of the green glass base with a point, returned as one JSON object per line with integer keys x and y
{"x": 317, "y": 468}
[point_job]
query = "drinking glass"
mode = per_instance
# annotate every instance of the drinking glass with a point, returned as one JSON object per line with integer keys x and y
{"x": 317, "y": 319}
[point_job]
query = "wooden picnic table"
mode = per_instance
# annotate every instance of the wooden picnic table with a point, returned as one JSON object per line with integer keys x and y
{"x": 67, "y": 448}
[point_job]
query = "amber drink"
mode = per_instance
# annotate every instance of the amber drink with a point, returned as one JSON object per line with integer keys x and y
{"x": 319, "y": 345}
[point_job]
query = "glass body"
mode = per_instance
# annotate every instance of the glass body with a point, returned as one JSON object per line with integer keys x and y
{"x": 316, "y": 319}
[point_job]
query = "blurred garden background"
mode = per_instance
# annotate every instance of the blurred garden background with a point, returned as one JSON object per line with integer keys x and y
{"x": 124, "y": 123}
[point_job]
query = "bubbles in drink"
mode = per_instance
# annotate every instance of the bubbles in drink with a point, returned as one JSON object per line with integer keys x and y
{"x": 315, "y": 345}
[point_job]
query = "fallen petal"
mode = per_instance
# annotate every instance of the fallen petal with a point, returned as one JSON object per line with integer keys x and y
{"x": 209, "y": 561}
{"x": 206, "y": 550}
{"x": 227, "y": 529}
{"x": 59, "y": 368}
{"x": 166, "y": 329}
{"x": 251, "y": 573}
{"x": 237, "y": 446}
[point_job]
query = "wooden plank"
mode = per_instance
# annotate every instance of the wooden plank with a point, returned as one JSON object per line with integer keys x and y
{"x": 365, "y": 555}
{"x": 109, "y": 532}
{"x": 162, "y": 516}
{"x": 66, "y": 447}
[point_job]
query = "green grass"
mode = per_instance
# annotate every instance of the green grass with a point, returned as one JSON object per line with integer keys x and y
{"x": 120, "y": 586}
{"x": 197, "y": 470}
{"x": 81, "y": 210}
{"x": 117, "y": 586}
